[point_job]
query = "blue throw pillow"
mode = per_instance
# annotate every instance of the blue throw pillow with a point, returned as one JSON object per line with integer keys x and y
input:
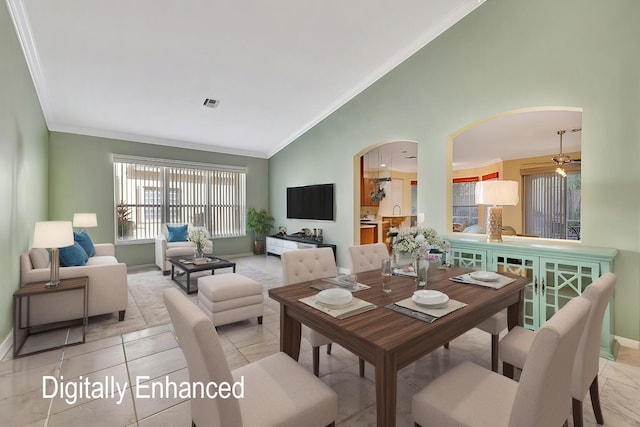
{"x": 177, "y": 233}
{"x": 85, "y": 241}
{"x": 72, "y": 256}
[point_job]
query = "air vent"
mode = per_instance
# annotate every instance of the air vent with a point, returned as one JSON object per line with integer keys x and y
{"x": 211, "y": 103}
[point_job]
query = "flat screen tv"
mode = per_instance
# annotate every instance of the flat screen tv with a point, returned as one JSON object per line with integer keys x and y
{"x": 310, "y": 202}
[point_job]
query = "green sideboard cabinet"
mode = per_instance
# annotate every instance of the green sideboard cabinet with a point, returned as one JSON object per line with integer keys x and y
{"x": 557, "y": 270}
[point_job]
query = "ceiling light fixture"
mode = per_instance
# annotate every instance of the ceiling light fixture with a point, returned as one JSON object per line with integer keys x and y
{"x": 211, "y": 103}
{"x": 560, "y": 171}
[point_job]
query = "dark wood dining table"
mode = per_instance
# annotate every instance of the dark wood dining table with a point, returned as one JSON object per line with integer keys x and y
{"x": 390, "y": 340}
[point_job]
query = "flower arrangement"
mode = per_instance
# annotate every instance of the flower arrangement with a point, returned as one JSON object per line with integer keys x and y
{"x": 199, "y": 236}
{"x": 418, "y": 241}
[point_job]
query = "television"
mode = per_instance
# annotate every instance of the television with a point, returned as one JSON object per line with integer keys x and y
{"x": 310, "y": 202}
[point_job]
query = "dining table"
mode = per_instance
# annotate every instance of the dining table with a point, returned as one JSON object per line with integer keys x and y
{"x": 390, "y": 340}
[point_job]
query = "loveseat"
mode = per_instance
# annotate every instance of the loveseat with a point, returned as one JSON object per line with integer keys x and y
{"x": 107, "y": 290}
{"x": 165, "y": 248}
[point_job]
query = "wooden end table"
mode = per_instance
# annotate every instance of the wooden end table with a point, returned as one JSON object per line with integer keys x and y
{"x": 39, "y": 288}
{"x": 191, "y": 265}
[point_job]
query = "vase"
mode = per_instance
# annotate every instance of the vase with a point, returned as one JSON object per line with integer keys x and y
{"x": 420, "y": 266}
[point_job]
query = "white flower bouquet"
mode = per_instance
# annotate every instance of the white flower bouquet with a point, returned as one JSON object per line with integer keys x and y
{"x": 418, "y": 240}
{"x": 199, "y": 236}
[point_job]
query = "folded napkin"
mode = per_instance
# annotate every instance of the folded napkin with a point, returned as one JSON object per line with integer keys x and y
{"x": 341, "y": 282}
{"x": 496, "y": 284}
{"x": 356, "y": 306}
{"x": 451, "y": 306}
{"x": 401, "y": 271}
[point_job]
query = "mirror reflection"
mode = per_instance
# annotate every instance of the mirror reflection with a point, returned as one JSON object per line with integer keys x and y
{"x": 539, "y": 149}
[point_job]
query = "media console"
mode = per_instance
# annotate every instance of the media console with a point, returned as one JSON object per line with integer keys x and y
{"x": 277, "y": 245}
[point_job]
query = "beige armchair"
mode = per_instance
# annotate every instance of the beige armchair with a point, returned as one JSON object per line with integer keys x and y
{"x": 517, "y": 344}
{"x": 306, "y": 265}
{"x": 165, "y": 250}
{"x": 469, "y": 395}
{"x": 367, "y": 257}
{"x": 277, "y": 390}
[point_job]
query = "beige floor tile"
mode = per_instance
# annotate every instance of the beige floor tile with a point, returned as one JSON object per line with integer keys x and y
{"x": 86, "y": 363}
{"x": 26, "y": 381}
{"x": 26, "y": 363}
{"x": 97, "y": 413}
{"x": 92, "y": 346}
{"x": 24, "y": 409}
{"x": 149, "y": 345}
{"x": 147, "y": 406}
{"x": 156, "y": 365}
{"x": 179, "y": 415}
{"x": 132, "y": 336}
{"x": 70, "y": 396}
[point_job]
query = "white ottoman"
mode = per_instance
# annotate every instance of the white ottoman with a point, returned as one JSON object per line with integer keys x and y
{"x": 230, "y": 297}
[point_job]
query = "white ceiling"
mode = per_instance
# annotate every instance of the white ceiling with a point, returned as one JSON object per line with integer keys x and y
{"x": 140, "y": 70}
{"x": 516, "y": 136}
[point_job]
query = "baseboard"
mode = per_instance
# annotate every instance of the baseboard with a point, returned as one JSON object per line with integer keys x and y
{"x": 626, "y": 342}
{"x": 6, "y": 345}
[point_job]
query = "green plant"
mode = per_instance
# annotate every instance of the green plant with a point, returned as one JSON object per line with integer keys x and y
{"x": 125, "y": 225}
{"x": 259, "y": 222}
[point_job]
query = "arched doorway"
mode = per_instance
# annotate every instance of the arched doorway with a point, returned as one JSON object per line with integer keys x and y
{"x": 385, "y": 190}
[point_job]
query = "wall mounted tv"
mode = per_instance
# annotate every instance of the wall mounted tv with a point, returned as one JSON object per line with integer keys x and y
{"x": 310, "y": 202}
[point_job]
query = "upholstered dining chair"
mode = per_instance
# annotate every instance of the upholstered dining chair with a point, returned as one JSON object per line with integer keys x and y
{"x": 367, "y": 257}
{"x": 515, "y": 346}
{"x": 277, "y": 390}
{"x": 306, "y": 265}
{"x": 469, "y": 395}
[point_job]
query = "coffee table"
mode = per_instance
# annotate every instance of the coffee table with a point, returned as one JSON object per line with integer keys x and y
{"x": 191, "y": 265}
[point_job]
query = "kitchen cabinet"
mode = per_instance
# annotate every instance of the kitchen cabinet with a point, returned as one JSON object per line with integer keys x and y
{"x": 368, "y": 234}
{"x": 557, "y": 271}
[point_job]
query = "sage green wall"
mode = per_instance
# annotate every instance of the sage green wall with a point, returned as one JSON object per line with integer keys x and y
{"x": 81, "y": 180}
{"x": 23, "y": 164}
{"x": 504, "y": 56}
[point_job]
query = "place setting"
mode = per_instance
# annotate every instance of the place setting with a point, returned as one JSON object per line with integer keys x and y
{"x": 337, "y": 302}
{"x": 488, "y": 279}
{"x": 426, "y": 305}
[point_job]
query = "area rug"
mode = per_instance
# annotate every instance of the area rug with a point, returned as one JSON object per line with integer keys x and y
{"x": 146, "y": 308}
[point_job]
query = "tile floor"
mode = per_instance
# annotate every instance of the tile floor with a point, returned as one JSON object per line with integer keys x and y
{"x": 155, "y": 353}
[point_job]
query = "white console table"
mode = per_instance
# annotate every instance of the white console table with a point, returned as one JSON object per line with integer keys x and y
{"x": 558, "y": 270}
{"x": 277, "y": 245}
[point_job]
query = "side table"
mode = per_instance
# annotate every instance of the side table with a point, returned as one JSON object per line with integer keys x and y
{"x": 32, "y": 289}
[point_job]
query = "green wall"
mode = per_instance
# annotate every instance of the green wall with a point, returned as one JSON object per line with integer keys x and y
{"x": 23, "y": 164}
{"x": 81, "y": 180}
{"x": 504, "y": 56}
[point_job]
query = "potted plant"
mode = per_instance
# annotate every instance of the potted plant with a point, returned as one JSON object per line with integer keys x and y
{"x": 126, "y": 226}
{"x": 260, "y": 223}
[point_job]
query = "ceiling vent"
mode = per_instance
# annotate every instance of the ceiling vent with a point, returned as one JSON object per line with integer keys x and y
{"x": 211, "y": 103}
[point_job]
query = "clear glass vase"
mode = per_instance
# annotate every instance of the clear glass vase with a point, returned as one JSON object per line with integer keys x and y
{"x": 420, "y": 266}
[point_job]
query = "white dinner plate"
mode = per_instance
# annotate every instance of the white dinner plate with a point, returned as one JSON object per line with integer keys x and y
{"x": 485, "y": 276}
{"x": 440, "y": 304}
{"x": 429, "y": 297}
{"x": 335, "y": 297}
{"x": 334, "y": 306}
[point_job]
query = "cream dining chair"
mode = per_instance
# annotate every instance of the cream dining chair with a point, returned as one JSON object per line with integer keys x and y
{"x": 367, "y": 257}
{"x": 305, "y": 265}
{"x": 469, "y": 395}
{"x": 277, "y": 390}
{"x": 516, "y": 345}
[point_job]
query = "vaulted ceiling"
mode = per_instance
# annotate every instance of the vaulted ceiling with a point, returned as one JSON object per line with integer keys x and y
{"x": 141, "y": 70}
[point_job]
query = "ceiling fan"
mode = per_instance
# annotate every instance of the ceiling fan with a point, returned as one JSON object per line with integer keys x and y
{"x": 561, "y": 159}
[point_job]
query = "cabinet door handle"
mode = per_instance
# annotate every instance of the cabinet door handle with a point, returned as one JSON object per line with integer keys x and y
{"x": 535, "y": 285}
{"x": 543, "y": 287}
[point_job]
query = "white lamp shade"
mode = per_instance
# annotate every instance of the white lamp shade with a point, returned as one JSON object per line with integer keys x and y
{"x": 497, "y": 193}
{"x": 53, "y": 234}
{"x": 85, "y": 220}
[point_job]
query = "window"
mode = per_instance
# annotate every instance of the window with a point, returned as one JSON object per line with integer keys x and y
{"x": 465, "y": 209}
{"x": 152, "y": 192}
{"x": 552, "y": 205}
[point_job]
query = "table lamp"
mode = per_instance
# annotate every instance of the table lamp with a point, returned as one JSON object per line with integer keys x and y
{"x": 53, "y": 235}
{"x": 496, "y": 193}
{"x": 85, "y": 220}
